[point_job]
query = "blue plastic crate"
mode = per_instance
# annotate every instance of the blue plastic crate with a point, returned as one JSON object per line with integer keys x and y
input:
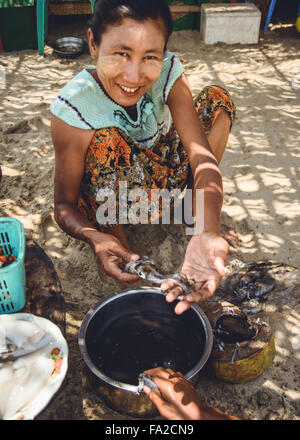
{"x": 12, "y": 277}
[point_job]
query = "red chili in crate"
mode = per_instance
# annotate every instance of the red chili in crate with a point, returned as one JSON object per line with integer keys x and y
{"x": 6, "y": 260}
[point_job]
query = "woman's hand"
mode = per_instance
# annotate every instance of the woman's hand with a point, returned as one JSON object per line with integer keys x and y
{"x": 113, "y": 257}
{"x": 178, "y": 399}
{"x": 204, "y": 265}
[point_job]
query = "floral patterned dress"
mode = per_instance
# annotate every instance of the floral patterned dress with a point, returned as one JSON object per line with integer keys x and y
{"x": 113, "y": 156}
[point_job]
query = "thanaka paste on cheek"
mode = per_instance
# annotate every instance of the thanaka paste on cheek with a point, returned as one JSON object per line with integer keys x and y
{"x": 111, "y": 66}
{"x": 152, "y": 69}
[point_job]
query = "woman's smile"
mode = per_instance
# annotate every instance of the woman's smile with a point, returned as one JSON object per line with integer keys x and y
{"x": 128, "y": 89}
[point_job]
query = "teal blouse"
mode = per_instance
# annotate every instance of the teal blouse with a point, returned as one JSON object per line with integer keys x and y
{"x": 82, "y": 103}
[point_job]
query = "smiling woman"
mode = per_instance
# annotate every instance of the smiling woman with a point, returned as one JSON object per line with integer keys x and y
{"x": 109, "y": 126}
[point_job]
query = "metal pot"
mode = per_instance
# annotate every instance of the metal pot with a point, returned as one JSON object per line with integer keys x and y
{"x": 69, "y": 47}
{"x": 189, "y": 335}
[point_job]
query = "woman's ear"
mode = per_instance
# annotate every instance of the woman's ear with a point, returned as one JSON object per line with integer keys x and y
{"x": 92, "y": 45}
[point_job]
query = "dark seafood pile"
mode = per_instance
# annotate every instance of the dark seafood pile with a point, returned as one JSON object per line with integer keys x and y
{"x": 256, "y": 280}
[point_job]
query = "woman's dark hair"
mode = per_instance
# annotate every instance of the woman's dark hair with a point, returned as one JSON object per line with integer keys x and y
{"x": 111, "y": 12}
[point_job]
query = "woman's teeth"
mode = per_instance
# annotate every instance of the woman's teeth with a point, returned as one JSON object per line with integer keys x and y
{"x": 128, "y": 90}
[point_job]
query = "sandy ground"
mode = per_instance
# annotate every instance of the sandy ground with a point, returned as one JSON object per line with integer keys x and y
{"x": 261, "y": 201}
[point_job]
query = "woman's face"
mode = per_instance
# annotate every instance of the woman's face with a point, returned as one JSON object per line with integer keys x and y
{"x": 129, "y": 58}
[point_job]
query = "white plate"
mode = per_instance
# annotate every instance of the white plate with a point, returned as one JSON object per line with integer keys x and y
{"x": 58, "y": 351}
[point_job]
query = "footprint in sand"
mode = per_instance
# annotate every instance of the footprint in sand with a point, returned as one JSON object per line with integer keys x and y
{"x": 34, "y": 124}
{"x": 20, "y": 127}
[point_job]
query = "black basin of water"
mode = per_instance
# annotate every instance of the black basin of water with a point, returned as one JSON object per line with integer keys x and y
{"x": 137, "y": 330}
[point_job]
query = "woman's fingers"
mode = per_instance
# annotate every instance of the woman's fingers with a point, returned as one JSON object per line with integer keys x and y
{"x": 114, "y": 258}
{"x": 113, "y": 269}
{"x": 126, "y": 255}
{"x": 162, "y": 381}
{"x": 174, "y": 293}
{"x": 219, "y": 262}
{"x": 167, "y": 285}
{"x": 202, "y": 292}
{"x": 163, "y": 372}
{"x": 182, "y": 307}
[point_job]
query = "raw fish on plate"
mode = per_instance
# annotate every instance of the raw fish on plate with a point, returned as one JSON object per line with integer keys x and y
{"x": 20, "y": 336}
{"x": 33, "y": 364}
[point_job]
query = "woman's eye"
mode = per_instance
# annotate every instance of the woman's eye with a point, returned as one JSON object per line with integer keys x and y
{"x": 122, "y": 54}
{"x": 151, "y": 58}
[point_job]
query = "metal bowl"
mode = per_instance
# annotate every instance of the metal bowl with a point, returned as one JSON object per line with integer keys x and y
{"x": 97, "y": 332}
{"x": 69, "y": 47}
